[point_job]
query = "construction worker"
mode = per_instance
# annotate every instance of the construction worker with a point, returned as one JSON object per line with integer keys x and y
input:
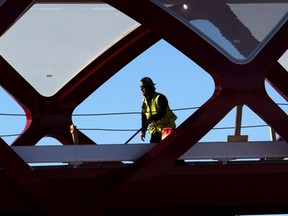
{"x": 156, "y": 112}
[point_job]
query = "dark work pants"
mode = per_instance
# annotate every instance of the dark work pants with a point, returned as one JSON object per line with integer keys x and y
{"x": 155, "y": 138}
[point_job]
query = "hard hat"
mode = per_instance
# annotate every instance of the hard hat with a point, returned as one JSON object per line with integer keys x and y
{"x": 146, "y": 81}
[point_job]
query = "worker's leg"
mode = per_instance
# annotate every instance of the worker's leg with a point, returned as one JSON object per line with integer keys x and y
{"x": 155, "y": 138}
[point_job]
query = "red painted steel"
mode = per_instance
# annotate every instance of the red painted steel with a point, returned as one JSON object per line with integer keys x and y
{"x": 153, "y": 185}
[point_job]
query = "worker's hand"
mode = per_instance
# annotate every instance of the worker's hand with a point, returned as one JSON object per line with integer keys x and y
{"x": 143, "y": 135}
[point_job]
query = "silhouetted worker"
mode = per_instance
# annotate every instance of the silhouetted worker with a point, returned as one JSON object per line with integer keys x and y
{"x": 156, "y": 112}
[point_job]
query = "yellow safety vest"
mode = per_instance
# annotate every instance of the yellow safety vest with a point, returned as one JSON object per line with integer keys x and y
{"x": 167, "y": 121}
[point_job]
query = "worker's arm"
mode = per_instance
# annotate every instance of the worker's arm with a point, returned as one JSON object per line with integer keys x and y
{"x": 144, "y": 124}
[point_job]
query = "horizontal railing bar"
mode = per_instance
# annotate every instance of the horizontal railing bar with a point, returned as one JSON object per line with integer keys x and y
{"x": 131, "y": 152}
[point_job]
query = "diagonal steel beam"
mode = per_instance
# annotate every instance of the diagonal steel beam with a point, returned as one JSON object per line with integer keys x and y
{"x": 11, "y": 11}
{"x": 32, "y": 185}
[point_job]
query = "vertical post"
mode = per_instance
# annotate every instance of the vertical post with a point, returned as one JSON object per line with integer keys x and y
{"x": 74, "y": 133}
{"x": 238, "y": 120}
{"x": 272, "y": 134}
{"x": 237, "y": 137}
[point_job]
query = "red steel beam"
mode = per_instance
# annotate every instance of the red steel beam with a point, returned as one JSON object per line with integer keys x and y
{"x": 11, "y": 11}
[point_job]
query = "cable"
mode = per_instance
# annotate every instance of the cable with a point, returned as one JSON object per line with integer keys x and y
{"x": 106, "y": 129}
{"x": 103, "y": 114}
{"x": 133, "y": 130}
{"x": 117, "y": 113}
{"x": 128, "y": 113}
{"x": 242, "y": 127}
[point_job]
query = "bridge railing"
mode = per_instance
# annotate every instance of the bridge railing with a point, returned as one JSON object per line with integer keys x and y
{"x": 118, "y": 152}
